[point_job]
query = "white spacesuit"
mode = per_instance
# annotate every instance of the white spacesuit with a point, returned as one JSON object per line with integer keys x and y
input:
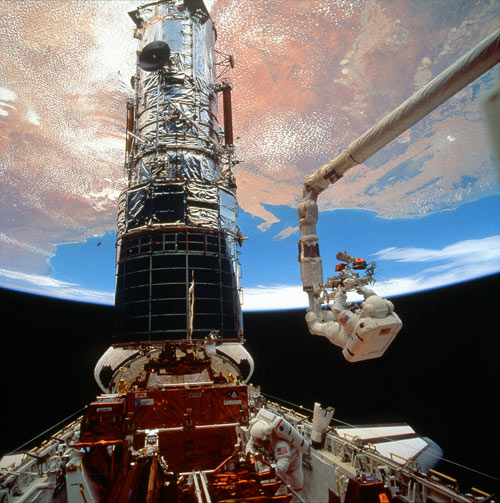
{"x": 266, "y": 436}
{"x": 363, "y": 334}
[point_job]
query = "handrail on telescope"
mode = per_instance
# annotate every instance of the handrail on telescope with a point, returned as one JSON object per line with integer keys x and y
{"x": 458, "y": 75}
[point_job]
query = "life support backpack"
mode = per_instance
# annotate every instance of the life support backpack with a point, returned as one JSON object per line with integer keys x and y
{"x": 282, "y": 429}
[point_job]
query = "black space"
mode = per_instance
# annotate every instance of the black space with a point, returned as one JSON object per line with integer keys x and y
{"x": 441, "y": 374}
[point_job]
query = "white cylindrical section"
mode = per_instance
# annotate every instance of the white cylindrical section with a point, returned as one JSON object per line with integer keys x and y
{"x": 176, "y": 105}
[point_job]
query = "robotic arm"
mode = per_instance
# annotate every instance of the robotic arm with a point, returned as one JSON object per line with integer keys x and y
{"x": 468, "y": 68}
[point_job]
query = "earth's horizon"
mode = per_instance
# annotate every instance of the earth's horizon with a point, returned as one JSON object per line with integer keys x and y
{"x": 309, "y": 79}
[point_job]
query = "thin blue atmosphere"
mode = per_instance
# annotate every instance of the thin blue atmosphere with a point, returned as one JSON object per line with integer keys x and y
{"x": 270, "y": 259}
{"x": 90, "y": 264}
{"x": 267, "y": 259}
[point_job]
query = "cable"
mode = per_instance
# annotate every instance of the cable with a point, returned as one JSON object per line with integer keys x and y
{"x": 46, "y": 431}
{"x": 387, "y": 438}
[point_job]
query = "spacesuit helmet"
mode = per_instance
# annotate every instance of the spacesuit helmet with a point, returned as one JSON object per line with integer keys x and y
{"x": 261, "y": 431}
{"x": 375, "y": 307}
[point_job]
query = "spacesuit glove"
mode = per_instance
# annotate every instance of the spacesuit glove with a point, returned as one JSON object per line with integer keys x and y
{"x": 282, "y": 466}
{"x": 349, "y": 285}
{"x": 279, "y": 471}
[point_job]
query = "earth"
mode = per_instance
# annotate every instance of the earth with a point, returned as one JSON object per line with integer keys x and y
{"x": 310, "y": 77}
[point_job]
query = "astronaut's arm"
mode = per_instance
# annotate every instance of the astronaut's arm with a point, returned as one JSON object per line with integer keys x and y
{"x": 365, "y": 291}
{"x": 282, "y": 455}
{"x": 339, "y": 300}
{"x": 250, "y": 448}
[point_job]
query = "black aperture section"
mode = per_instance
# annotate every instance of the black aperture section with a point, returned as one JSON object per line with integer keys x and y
{"x": 169, "y": 203}
{"x": 154, "y": 273}
{"x": 156, "y": 203}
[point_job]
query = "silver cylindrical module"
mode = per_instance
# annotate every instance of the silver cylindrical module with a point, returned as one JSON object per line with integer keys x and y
{"x": 176, "y": 108}
{"x": 177, "y": 251}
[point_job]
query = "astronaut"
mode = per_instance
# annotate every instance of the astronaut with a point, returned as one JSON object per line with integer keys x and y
{"x": 287, "y": 457}
{"x": 339, "y": 323}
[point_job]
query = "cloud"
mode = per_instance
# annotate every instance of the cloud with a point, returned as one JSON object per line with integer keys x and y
{"x": 461, "y": 261}
{"x": 25, "y": 246}
{"x": 45, "y": 285}
{"x": 468, "y": 251}
{"x": 33, "y": 117}
{"x": 267, "y": 298}
{"x": 452, "y": 264}
{"x": 286, "y": 232}
{"x": 209, "y": 4}
{"x": 7, "y": 94}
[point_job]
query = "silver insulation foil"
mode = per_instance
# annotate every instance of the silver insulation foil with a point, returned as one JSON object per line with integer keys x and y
{"x": 176, "y": 135}
{"x": 180, "y": 164}
{"x": 192, "y": 204}
{"x": 177, "y": 108}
